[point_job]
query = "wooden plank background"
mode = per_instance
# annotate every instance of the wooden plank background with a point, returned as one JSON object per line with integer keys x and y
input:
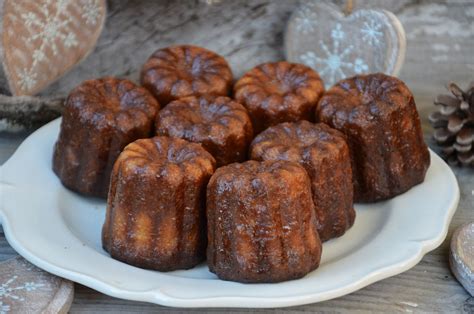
{"x": 440, "y": 48}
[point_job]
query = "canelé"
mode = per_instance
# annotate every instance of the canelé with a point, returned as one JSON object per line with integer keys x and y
{"x": 261, "y": 222}
{"x": 323, "y": 152}
{"x": 156, "y": 206}
{"x": 377, "y": 114}
{"x": 100, "y": 118}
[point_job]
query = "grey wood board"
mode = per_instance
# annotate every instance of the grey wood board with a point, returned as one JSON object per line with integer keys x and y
{"x": 251, "y": 32}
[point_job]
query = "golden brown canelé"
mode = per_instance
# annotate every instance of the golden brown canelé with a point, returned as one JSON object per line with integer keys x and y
{"x": 220, "y": 124}
{"x": 180, "y": 71}
{"x": 156, "y": 206}
{"x": 377, "y": 113}
{"x": 100, "y": 118}
{"x": 279, "y": 92}
{"x": 323, "y": 152}
{"x": 261, "y": 222}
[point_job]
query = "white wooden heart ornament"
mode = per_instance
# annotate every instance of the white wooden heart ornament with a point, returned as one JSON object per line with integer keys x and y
{"x": 337, "y": 46}
{"x": 43, "y": 39}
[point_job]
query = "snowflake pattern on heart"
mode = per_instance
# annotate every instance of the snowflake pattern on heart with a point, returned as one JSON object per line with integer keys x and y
{"x": 13, "y": 291}
{"x": 20, "y": 281}
{"x": 339, "y": 46}
{"x": 44, "y": 38}
{"x": 8, "y": 289}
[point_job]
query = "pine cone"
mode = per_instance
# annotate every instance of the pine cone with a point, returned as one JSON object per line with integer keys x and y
{"x": 454, "y": 125}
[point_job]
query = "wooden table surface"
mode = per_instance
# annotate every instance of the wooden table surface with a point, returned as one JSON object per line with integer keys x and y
{"x": 440, "y": 49}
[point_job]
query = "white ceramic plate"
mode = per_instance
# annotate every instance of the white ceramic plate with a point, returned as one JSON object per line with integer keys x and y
{"x": 59, "y": 231}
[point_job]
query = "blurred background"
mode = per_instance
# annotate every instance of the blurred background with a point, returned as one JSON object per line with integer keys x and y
{"x": 440, "y": 36}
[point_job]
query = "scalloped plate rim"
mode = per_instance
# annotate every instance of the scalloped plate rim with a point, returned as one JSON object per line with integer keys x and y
{"x": 161, "y": 296}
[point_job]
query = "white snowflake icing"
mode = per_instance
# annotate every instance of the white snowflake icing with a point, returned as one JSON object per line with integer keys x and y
{"x": 360, "y": 66}
{"x": 306, "y": 20}
{"x": 51, "y": 29}
{"x": 337, "y": 33}
{"x": 38, "y": 55}
{"x": 4, "y": 308}
{"x": 371, "y": 32}
{"x": 61, "y": 4}
{"x": 32, "y": 286}
{"x": 29, "y": 18}
{"x": 336, "y": 60}
{"x": 7, "y": 291}
{"x": 70, "y": 40}
{"x": 91, "y": 11}
{"x": 27, "y": 78}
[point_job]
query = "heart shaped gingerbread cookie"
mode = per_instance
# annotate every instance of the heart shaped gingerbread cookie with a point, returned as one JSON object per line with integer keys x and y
{"x": 43, "y": 39}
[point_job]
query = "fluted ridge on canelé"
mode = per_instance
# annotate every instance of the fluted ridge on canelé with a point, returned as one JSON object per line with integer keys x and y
{"x": 100, "y": 118}
{"x": 378, "y": 115}
{"x": 276, "y": 92}
{"x": 185, "y": 70}
{"x": 156, "y": 206}
{"x": 324, "y": 153}
{"x": 220, "y": 124}
{"x": 261, "y": 222}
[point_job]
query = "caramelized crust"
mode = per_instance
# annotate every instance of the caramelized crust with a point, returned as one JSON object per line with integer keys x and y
{"x": 156, "y": 205}
{"x": 324, "y": 154}
{"x": 100, "y": 118}
{"x": 279, "y": 92}
{"x": 180, "y": 71}
{"x": 220, "y": 124}
{"x": 377, "y": 113}
{"x": 261, "y": 222}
